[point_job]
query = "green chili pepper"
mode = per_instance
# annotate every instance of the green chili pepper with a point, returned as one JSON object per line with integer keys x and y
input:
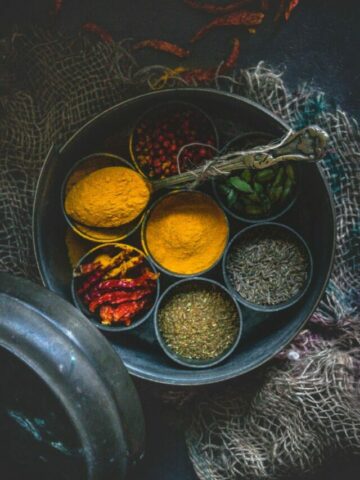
{"x": 290, "y": 172}
{"x": 279, "y": 177}
{"x": 277, "y": 193}
{"x": 246, "y": 175}
{"x": 287, "y": 188}
{"x": 258, "y": 187}
{"x": 266, "y": 203}
{"x": 264, "y": 175}
{"x": 240, "y": 185}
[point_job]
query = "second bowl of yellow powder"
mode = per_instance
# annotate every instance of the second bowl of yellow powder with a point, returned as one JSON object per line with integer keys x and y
{"x": 185, "y": 233}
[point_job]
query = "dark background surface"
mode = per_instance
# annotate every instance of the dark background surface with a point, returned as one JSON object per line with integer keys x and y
{"x": 319, "y": 45}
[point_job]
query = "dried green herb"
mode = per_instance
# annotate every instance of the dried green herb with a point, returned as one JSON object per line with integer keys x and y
{"x": 258, "y": 193}
{"x": 267, "y": 267}
{"x": 199, "y": 322}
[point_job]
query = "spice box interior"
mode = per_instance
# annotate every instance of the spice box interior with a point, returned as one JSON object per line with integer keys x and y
{"x": 310, "y": 213}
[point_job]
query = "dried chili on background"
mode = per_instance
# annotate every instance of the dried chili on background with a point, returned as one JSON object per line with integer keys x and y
{"x": 231, "y": 60}
{"x": 285, "y": 9}
{"x": 163, "y": 46}
{"x": 293, "y": 4}
{"x": 99, "y": 31}
{"x": 242, "y": 18}
{"x": 217, "y": 9}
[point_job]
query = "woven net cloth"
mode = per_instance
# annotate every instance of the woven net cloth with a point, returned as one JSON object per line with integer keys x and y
{"x": 302, "y": 407}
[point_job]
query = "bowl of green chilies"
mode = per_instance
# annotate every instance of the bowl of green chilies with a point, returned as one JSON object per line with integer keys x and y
{"x": 257, "y": 195}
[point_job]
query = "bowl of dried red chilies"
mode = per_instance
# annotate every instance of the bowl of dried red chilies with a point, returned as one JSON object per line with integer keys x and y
{"x": 116, "y": 286}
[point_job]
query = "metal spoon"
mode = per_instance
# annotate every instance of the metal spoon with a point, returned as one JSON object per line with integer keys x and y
{"x": 307, "y": 145}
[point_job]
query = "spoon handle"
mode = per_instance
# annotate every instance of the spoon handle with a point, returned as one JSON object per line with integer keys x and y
{"x": 307, "y": 145}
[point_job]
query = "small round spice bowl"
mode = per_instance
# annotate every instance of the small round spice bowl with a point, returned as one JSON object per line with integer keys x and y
{"x": 185, "y": 233}
{"x": 83, "y": 167}
{"x": 255, "y": 196}
{"x": 172, "y": 136}
{"x": 268, "y": 267}
{"x": 198, "y": 323}
{"x": 116, "y": 286}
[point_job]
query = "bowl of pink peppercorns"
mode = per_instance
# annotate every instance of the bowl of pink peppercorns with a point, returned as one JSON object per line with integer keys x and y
{"x": 171, "y": 138}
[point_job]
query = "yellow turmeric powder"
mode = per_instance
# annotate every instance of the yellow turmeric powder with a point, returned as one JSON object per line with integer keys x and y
{"x": 108, "y": 197}
{"x": 186, "y": 232}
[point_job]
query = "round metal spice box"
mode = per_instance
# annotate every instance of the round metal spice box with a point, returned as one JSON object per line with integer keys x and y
{"x": 264, "y": 333}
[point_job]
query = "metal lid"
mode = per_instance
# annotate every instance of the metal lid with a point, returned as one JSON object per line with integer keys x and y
{"x": 68, "y": 404}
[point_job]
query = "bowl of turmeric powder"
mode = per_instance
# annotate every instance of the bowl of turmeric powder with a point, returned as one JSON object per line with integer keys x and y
{"x": 185, "y": 233}
{"x": 116, "y": 286}
{"x": 103, "y": 198}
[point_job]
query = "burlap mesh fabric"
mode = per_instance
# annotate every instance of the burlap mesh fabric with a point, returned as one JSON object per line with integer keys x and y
{"x": 304, "y": 405}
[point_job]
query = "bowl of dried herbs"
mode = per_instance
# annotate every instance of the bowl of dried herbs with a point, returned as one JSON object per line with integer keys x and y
{"x": 198, "y": 323}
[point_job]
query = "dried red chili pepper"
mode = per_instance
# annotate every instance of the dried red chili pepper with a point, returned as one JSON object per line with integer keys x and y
{"x": 199, "y": 75}
{"x": 147, "y": 279}
{"x": 118, "y": 297}
{"x": 123, "y": 313}
{"x": 293, "y": 4}
{"x": 218, "y": 9}
{"x": 244, "y": 18}
{"x": 163, "y": 46}
{"x": 86, "y": 268}
{"x": 128, "y": 283}
{"x": 100, "y": 271}
{"x": 230, "y": 62}
{"x": 99, "y": 31}
{"x": 90, "y": 282}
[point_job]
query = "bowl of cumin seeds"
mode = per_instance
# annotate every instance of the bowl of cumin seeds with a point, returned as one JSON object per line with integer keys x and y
{"x": 268, "y": 267}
